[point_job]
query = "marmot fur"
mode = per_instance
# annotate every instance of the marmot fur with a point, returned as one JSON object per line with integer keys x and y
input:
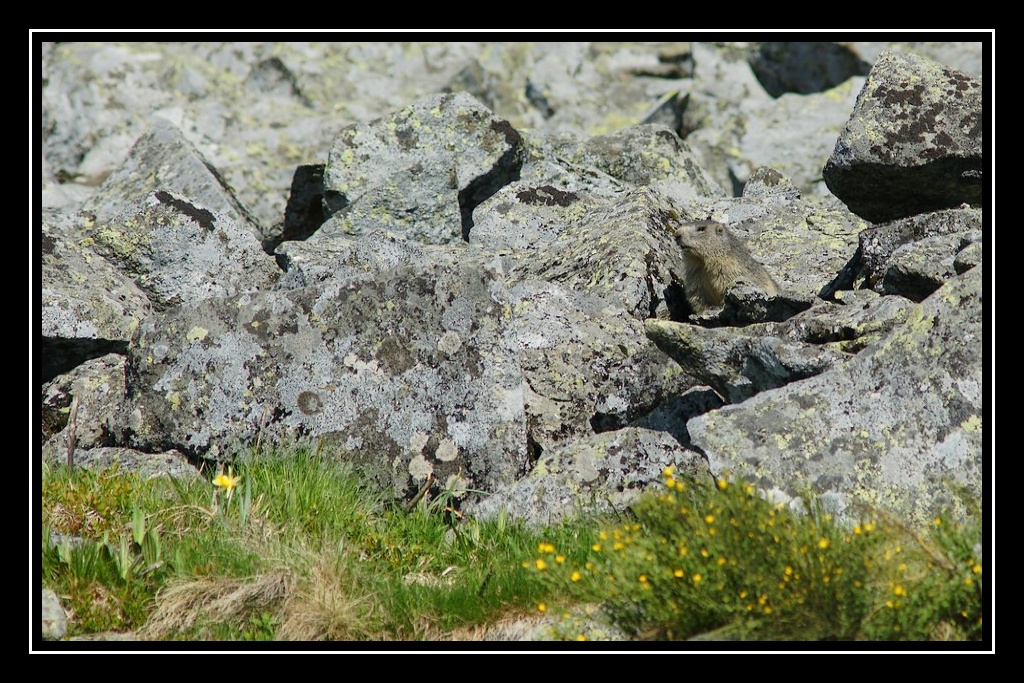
{"x": 714, "y": 260}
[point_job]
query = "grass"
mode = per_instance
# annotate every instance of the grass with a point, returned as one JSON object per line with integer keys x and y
{"x": 301, "y": 550}
{"x": 293, "y": 546}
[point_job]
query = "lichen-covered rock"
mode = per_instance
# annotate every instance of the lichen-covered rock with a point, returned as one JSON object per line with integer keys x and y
{"x": 913, "y": 142}
{"x": 599, "y": 473}
{"x": 586, "y": 362}
{"x": 913, "y": 256}
{"x": 652, "y": 155}
{"x": 146, "y": 465}
{"x": 523, "y": 215}
{"x": 326, "y": 257}
{"x": 177, "y": 250}
{"x": 740, "y": 362}
{"x": 421, "y": 168}
{"x": 89, "y": 307}
{"x": 411, "y": 374}
{"x": 734, "y": 126}
{"x": 896, "y": 427}
{"x": 622, "y": 252}
{"x": 99, "y": 386}
{"x": 162, "y": 159}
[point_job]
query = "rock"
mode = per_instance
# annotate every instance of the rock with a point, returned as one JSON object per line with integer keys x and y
{"x": 913, "y": 143}
{"x": 55, "y": 621}
{"x": 421, "y": 168}
{"x": 600, "y": 473}
{"x": 895, "y": 427}
{"x": 89, "y": 306}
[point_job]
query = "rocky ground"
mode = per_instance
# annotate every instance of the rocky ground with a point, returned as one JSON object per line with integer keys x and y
{"x": 454, "y": 260}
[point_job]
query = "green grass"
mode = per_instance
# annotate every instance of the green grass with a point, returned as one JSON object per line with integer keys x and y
{"x": 302, "y": 549}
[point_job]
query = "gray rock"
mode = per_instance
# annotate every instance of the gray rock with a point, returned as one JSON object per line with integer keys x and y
{"x": 422, "y": 166}
{"x": 169, "y": 463}
{"x": 933, "y": 239}
{"x": 805, "y": 67}
{"x": 649, "y": 155}
{"x": 409, "y": 374}
{"x": 740, "y": 363}
{"x": 99, "y": 386}
{"x": 621, "y": 252}
{"x": 913, "y": 142}
{"x": 177, "y": 250}
{"x": 734, "y": 126}
{"x": 327, "y": 256}
{"x": 587, "y": 365}
{"x": 894, "y": 428}
{"x": 961, "y": 55}
{"x": 55, "y": 621}
{"x": 856, "y": 319}
{"x": 162, "y": 159}
{"x": 523, "y": 215}
{"x": 89, "y": 307}
{"x": 604, "y": 473}
{"x": 918, "y": 269}
{"x": 768, "y": 183}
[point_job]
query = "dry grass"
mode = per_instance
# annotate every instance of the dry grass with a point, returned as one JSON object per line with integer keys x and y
{"x": 329, "y": 605}
{"x": 184, "y": 606}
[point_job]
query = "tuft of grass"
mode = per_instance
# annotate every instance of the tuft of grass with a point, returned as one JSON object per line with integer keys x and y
{"x": 719, "y": 559}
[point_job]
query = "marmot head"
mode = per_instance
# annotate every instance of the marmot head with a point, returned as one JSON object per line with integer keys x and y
{"x": 692, "y": 236}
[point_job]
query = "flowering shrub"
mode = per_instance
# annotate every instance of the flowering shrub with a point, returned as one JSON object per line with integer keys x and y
{"x": 699, "y": 558}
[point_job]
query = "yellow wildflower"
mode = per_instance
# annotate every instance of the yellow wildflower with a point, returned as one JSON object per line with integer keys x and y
{"x": 823, "y": 543}
{"x": 541, "y": 564}
{"x": 226, "y": 482}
